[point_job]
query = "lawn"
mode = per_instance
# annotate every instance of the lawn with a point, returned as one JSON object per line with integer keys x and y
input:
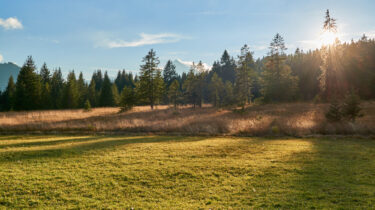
{"x": 186, "y": 172}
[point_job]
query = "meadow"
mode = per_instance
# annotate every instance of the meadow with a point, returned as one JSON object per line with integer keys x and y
{"x": 176, "y": 172}
{"x": 291, "y": 119}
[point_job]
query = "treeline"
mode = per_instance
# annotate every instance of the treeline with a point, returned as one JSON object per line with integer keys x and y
{"x": 322, "y": 74}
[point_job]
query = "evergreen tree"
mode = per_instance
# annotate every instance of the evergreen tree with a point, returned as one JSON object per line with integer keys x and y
{"x": 71, "y": 93}
{"x": 28, "y": 88}
{"x": 45, "y": 74}
{"x": 174, "y": 93}
{"x": 87, "y": 106}
{"x": 278, "y": 82}
{"x": 228, "y": 94}
{"x": 217, "y": 86}
{"x": 9, "y": 95}
{"x": 244, "y": 76}
{"x": 82, "y": 90}
{"x": 334, "y": 113}
{"x": 92, "y": 94}
{"x": 169, "y": 73}
{"x": 57, "y": 89}
{"x": 107, "y": 98}
{"x": 128, "y": 99}
{"x": 151, "y": 82}
{"x": 351, "y": 108}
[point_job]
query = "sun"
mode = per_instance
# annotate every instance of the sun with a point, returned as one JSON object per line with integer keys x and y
{"x": 328, "y": 37}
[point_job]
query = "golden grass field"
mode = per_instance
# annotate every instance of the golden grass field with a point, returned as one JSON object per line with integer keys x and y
{"x": 177, "y": 172}
{"x": 295, "y": 119}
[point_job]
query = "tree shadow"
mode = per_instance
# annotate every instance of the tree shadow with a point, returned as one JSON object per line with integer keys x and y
{"x": 83, "y": 146}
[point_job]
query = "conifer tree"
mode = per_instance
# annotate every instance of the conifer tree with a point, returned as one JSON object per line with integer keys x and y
{"x": 151, "y": 84}
{"x": 71, "y": 94}
{"x": 107, "y": 98}
{"x": 45, "y": 74}
{"x": 217, "y": 86}
{"x": 57, "y": 89}
{"x": 278, "y": 82}
{"x": 169, "y": 73}
{"x": 9, "y": 95}
{"x": 128, "y": 99}
{"x": 82, "y": 90}
{"x": 174, "y": 93}
{"x": 92, "y": 94}
{"x": 28, "y": 88}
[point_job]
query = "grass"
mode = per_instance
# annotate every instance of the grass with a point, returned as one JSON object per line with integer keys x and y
{"x": 294, "y": 119}
{"x": 186, "y": 172}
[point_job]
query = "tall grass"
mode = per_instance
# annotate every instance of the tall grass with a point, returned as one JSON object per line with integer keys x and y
{"x": 271, "y": 119}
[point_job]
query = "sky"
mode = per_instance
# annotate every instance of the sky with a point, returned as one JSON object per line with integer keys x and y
{"x": 86, "y": 35}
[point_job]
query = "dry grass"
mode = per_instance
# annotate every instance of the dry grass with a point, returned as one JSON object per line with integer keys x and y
{"x": 271, "y": 119}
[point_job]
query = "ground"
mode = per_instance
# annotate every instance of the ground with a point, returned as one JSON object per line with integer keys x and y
{"x": 176, "y": 172}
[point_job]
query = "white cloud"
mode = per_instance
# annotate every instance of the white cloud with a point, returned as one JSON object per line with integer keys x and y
{"x": 11, "y": 23}
{"x": 1, "y": 58}
{"x": 146, "y": 39}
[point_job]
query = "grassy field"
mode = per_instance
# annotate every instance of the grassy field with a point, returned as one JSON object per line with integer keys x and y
{"x": 185, "y": 172}
{"x": 293, "y": 119}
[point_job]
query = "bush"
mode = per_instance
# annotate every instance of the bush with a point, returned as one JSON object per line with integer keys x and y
{"x": 128, "y": 99}
{"x": 334, "y": 113}
{"x": 351, "y": 108}
{"x": 87, "y": 106}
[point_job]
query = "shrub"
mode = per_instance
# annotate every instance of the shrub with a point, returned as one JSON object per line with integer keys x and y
{"x": 351, "y": 108}
{"x": 128, "y": 99}
{"x": 87, "y": 106}
{"x": 334, "y": 113}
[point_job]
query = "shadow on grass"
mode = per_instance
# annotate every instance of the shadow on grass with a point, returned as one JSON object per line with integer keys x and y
{"x": 337, "y": 173}
{"x": 84, "y": 145}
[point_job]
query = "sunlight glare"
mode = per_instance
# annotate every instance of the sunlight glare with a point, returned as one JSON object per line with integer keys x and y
{"x": 328, "y": 38}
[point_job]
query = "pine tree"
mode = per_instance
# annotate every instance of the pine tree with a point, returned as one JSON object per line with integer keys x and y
{"x": 45, "y": 74}
{"x": 244, "y": 76}
{"x": 28, "y": 88}
{"x": 169, "y": 73}
{"x": 128, "y": 99}
{"x": 351, "y": 108}
{"x": 9, "y": 95}
{"x": 57, "y": 89}
{"x": 92, "y": 94}
{"x": 334, "y": 113}
{"x": 217, "y": 86}
{"x": 87, "y": 106}
{"x": 174, "y": 93}
{"x": 107, "y": 98}
{"x": 228, "y": 94}
{"x": 71, "y": 94}
{"x": 151, "y": 82}
{"x": 278, "y": 82}
{"x": 82, "y": 90}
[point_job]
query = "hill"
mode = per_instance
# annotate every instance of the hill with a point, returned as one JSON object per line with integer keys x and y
{"x": 7, "y": 69}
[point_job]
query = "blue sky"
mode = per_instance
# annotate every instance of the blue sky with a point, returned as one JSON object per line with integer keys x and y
{"x": 86, "y": 35}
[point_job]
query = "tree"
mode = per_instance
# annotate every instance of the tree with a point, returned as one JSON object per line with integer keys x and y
{"x": 28, "y": 88}
{"x": 107, "y": 97}
{"x": 92, "y": 94}
{"x": 216, "y": 90}
{"x": 334, "y": 113}
{"x": 174, "y": 93}
{"x": 9, "y": 95}
{"x": 45, "y": 74}
{"x": 128, "y": 99}
{"x": 71, "y": 94}
{"x": 228, "y": 94}
{"x": 169, "y": 73}
{"x": 244, "y": 76}
{"x": 82, "y": 90}
{"x": 87, "y": 106}
{"x": 351, "y": 108}
{"x": 57, "y": 89}
{"x": 151, "y": 84}
{"x": 278, "y": 82}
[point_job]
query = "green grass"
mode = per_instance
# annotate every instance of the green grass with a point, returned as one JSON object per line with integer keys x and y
{"x": 185, "y": 172}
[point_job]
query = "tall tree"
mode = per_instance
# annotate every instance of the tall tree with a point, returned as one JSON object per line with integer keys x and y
{"x": 169, "y": 73}
{"x": 57, "y": 89}
{"x": 82, "y": 91}
{"x": 71, "y": 93}
{"x": 216, "y": 87}
{"x": 107, "y": 97}
{"x": 174, "y": 93}
{"x": 244, "y": 76}
{"x": 9, "y": 95}
{"x": 151, "y": 83}
{"x": 28, "y": 88}
{"x": 45, "y": 74}
{"x": 278, "y": 82}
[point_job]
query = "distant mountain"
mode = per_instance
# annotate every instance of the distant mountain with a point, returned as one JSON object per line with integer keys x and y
{"x": 7, "y": 69}
{"x": 184, "y": 66}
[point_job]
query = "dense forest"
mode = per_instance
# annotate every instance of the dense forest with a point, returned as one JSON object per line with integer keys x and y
{"x": 319, "y": 75}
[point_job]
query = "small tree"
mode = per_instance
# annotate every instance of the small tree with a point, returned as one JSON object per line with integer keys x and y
{"x": 87, "y": 106}
{"x": 128, "y": 99}
{"x": 351, "y": 108}
{"x": 334, "y": 113}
